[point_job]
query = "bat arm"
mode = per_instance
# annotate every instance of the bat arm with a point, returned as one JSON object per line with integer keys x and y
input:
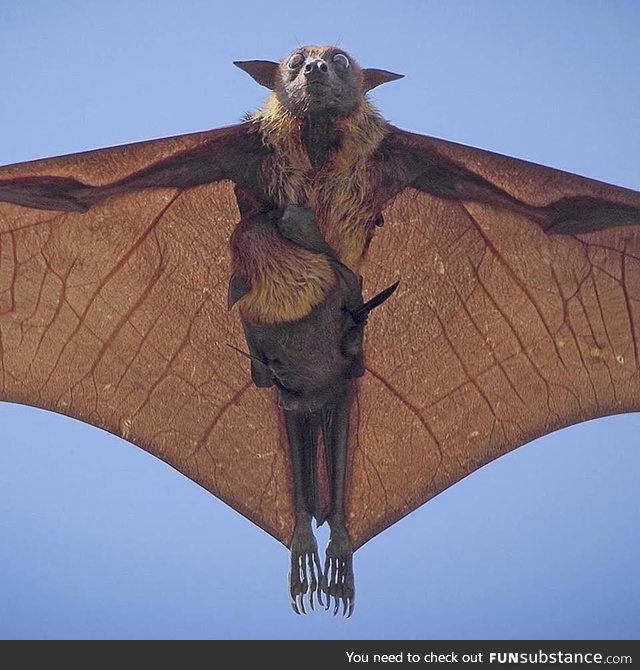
{"x": 202, "y": 165}
{"x": 453, "y": 182}
{"x": 184, "y": 170}
{"x": 426, "y": 170}
{"x": 235, "y": 156}
{"x": 60, "y": 194}
{"x": 571, "y": 216}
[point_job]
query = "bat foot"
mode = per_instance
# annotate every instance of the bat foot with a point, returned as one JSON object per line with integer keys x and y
{"x": 339, "y": 582}
{"x": 305, "y": 578}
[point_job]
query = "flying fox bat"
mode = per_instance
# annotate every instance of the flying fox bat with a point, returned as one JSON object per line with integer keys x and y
{"x": 517, "y": 313}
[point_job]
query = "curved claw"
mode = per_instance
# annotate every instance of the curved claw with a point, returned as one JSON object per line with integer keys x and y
{"x": 327, "y": 581}
{"x": 315, "y": 585}
{"x": 303, "y": 579}
{"x": 339, "y": 584}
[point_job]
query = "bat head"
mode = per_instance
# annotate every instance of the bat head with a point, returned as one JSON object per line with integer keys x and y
{"x": 316, "y": 80}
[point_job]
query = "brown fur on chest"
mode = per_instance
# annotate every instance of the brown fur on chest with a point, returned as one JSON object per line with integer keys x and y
{"x": 287, "y": 282}
{"x": 342, "y": 192}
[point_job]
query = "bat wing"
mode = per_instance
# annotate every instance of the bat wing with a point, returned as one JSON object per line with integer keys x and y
{"x": 499, "y": 332}
{"x": 118, "y": 317}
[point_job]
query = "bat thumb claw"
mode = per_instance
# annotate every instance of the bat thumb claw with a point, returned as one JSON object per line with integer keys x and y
{"x": 361, "y": 314}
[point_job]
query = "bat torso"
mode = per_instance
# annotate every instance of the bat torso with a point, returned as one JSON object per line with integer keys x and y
{"x": 341, "y": 187}
{"x": 345, "y": 182}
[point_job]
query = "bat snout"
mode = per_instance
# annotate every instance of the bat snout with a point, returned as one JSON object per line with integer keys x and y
{"x": 315, "y": 69}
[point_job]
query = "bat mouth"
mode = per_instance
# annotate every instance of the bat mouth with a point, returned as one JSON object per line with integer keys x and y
{"x": 317, "y": 86}
{"x": 322, "y": 93}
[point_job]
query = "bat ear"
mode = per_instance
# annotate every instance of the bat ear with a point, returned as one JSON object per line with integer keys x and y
{"x": 374, "y": 77}
{"x": 265, "y": 72}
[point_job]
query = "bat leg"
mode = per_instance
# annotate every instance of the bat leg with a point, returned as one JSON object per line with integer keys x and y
{"x": 305, "y": 576}
{"x": 339, "y": 581}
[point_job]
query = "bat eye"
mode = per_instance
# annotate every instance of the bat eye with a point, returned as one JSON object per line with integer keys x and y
{"x": 342, "y": 60}
{"x": 295, "y": 61}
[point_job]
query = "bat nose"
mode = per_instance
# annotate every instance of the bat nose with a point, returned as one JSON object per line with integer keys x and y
{"x": 316, "y": 68}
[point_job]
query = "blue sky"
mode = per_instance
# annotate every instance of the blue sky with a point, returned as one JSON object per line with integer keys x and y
{"x": 99, "y": 539}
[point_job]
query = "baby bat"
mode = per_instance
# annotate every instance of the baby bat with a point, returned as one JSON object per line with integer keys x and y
{"x": 518, "y": 312}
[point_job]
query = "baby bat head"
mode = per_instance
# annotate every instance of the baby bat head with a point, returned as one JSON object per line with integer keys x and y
{"x": 315, "y": 80}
